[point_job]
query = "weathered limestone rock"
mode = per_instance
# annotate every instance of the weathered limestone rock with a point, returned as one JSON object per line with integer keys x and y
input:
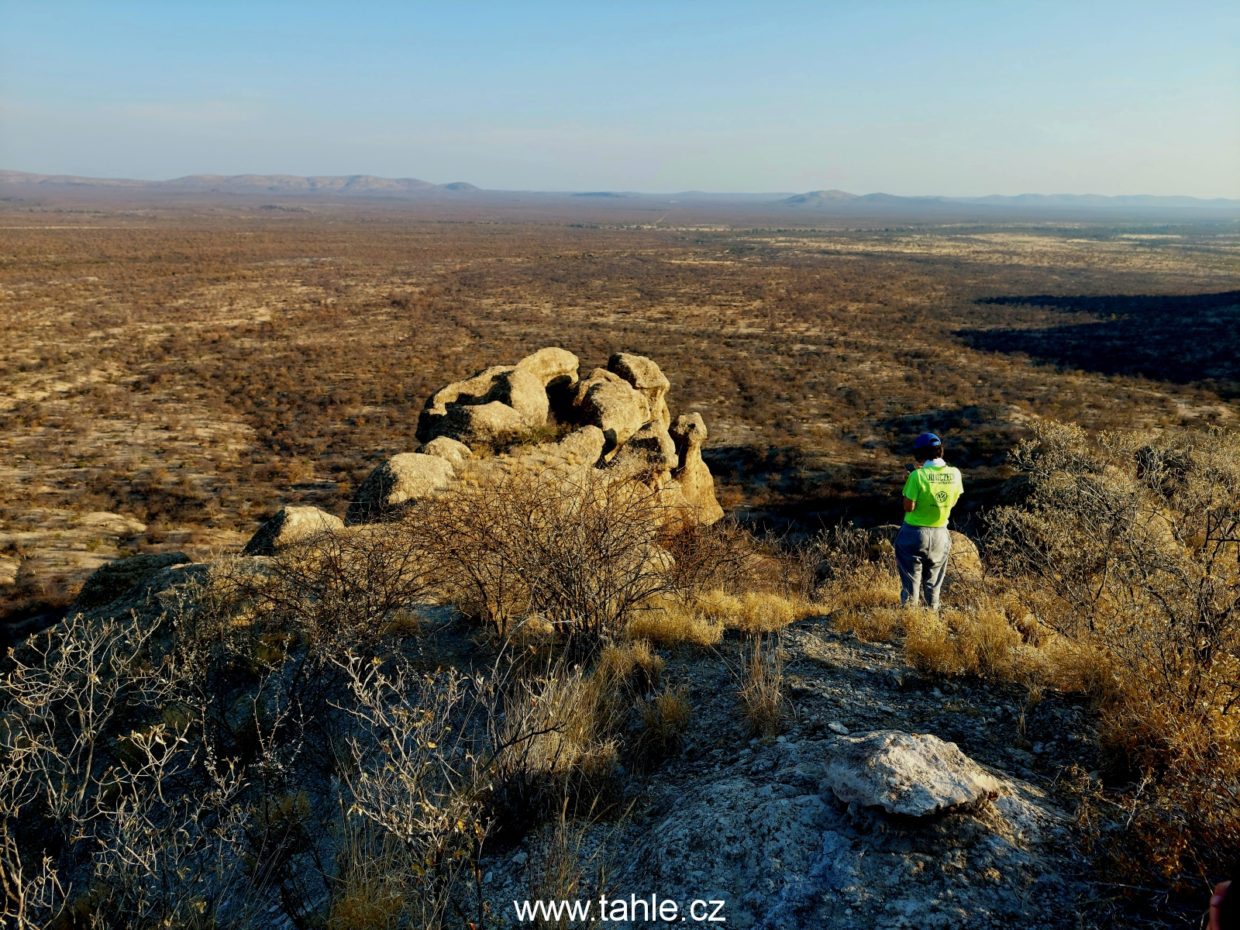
{"x": 582, "y": 446}
{"x": 911, "y": 774}
{"x": 116, "y": 579}
{"x": 647, "y": 377}
{"x": 551, "y": 365}
{"x": 691, "y": 473}
{"x": 402, "y": 479}
{"x": 650, "y": 454}
{"x": 497, "y": 404}
{"x": 447, "y": 448}
{"x": 291, "y": 525}
{"x": 612, "y": 404}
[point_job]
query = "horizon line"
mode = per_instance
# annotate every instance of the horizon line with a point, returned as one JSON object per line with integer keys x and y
{"x": 598, "y": 190}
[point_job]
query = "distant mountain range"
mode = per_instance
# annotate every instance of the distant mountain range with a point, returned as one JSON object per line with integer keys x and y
{"x": 352, "y": 184}
{"x": 822, "y": 201}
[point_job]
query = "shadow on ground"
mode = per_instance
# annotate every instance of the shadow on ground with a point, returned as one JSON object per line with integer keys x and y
{"x": 1184, "y": 339}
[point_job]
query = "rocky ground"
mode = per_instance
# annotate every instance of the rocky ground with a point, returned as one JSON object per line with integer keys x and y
{"x": 759, "y": 825}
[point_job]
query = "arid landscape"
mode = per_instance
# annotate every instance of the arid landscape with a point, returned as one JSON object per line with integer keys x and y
{"x": 175, "y": 373}
{"x": 539, "y": 666}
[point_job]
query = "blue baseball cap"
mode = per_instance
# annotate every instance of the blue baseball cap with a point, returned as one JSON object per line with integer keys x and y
{"x": 926, "y": 441}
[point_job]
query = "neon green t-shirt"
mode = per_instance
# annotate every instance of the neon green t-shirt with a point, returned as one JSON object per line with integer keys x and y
{"x": 935, "y": 490}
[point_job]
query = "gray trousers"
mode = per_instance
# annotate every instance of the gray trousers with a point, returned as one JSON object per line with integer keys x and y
{"x": 921, "y": 557}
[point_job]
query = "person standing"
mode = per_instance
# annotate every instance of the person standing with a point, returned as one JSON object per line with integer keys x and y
{"x": 923, "y": 542}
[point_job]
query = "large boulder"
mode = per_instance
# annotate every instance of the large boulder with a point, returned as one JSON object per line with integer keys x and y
{"x": 447, "y": 448}
{"x": 290, "y": 526}
{"x": 649, "y": 455}
{"x": 115, "y": 579}
{"x": 401, "y": 480}
{"x": 909, "y": 774}
{"x": 496, "y": 405}
{"x": 551, "y": 366}
{"x": 607, "y": 401}
{"x": 646, "y": 377}
{"x": 691, "y": 473}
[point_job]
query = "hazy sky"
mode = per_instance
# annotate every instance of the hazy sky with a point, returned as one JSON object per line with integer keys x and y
{"x": 942, "y": 96}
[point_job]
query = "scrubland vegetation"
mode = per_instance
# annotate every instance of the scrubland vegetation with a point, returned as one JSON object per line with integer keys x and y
{"x": 341, "y": 735}
{"x": 170, "y": 760}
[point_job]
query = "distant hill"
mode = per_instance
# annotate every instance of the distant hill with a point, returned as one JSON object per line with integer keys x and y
{"x": 837, "y": 200}
{"x": 816, "y": 198}
{"x": 831, "y": 201}
{"x": 349, "y": 185}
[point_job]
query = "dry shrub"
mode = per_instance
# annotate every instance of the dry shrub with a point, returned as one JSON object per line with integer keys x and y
{"x": 762, "y": 685}
{"x": 861, "y": 599}
{"x": 370, "y": 892}
{"x": 416, "y": 782}
{"x": 765, "y": 612}
{"x": 578, "y": 549}
{"x": 558, "y": 738}
{"x": 723, "y": 555}
{"x": 701, "y": 619}
{"x": 562, "y": 858}
{"x": 344, "y": 589}
{"x": 1134, "y": 543}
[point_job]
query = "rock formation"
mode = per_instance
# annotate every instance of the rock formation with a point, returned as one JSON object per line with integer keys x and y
{"x": 117, "y": 578}
{"x": 647, "y": 378}
{"x": 291, "y": 525}
{"x": 691, "y": 473}
{"x": 402, "y": 479}
{"x": 607, "y": 401}
{"x": 617, "y": 419}
{"x": 499, "y": 404}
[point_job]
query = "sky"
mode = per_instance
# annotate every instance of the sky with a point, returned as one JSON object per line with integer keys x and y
{"x": 949, "y": 97}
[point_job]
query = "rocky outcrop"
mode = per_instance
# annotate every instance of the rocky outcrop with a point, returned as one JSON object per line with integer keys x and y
{"x": 290, "y": 526}
{"x": 116, "y": 579}
{"x": 646, "y": 377}
{"x": 551, "y": 366}
{"x": 401, "y": 480}
{"x": 691, "y": 473}
{"x": 649, "y": 455}
{"x": 446, "y": 448}
{"x": 497, "y": 405}
{"x": 908, "y": 774}
{"x": 615, "y": 418}
{"x": 607, "y": 401}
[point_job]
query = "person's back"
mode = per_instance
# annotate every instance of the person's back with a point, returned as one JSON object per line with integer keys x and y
{"x": 924, "y": 542}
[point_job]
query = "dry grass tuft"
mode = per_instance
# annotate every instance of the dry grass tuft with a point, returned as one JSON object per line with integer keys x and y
{"x": 762, "y": 686}
{"x": 665, "y": 720}
{"x": 670, "y": 622}
{"x": 977, "y": 641}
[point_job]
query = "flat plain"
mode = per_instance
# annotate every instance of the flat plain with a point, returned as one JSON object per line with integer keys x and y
{"x": 175, "y": 372}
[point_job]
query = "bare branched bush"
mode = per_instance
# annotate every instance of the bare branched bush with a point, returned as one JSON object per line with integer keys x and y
{"x": 347, "y": 589}
{"x": 578, "y": 550}
{"x": 99, "y": 748}
{"x": 415, "y": 820}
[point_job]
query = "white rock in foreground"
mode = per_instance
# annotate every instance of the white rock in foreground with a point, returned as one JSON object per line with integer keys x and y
{"x": 912, "y": 774}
